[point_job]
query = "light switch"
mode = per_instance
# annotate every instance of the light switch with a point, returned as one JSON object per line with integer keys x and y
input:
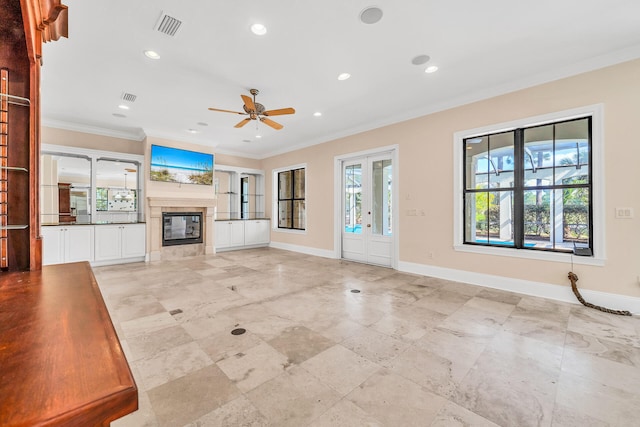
{"x": 624, "y": 213}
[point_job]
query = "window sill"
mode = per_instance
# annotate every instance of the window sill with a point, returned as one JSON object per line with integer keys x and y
{"x": 531, "y": 254}
{"x": 289, "y": 230}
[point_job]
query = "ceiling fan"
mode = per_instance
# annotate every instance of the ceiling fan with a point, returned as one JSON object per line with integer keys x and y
{"x": 256, "y": 111}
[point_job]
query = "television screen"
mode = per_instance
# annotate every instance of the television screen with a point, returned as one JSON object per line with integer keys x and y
{"x": 176, "y": 165}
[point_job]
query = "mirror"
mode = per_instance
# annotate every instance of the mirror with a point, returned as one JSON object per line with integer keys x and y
{"x": 116, "y": 191}
{"x": 65, "y": 183}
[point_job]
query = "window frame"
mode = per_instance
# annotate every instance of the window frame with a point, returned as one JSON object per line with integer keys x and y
{"x": 276, "y": 198}
{"x": 597, "y": 185}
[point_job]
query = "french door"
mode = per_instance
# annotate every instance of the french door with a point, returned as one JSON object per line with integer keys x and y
{"x": 367, "y": 190}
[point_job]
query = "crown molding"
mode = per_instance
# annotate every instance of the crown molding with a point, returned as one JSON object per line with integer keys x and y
{"x": 133, "y": 135}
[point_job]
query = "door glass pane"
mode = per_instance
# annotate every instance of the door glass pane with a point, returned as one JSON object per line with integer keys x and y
{"x": 298, "y": 214}
{"x": 381, "y": 194}
{"x": 284, "y": 214}
{"x": 353, "y": 199}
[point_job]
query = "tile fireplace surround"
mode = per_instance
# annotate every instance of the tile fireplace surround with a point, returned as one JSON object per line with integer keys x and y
{"x": 157, "y": 205}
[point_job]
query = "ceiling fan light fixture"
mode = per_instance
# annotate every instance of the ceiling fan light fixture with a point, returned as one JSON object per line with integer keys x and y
{"x": 259, "y": 29}
{"x": 344, "y": 76}
{"x": 151, "y": 54}
{"x": 431, "y": 69}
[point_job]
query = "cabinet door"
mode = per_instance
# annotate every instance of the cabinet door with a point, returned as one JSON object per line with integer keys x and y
{"x": 256, "y": 232}
{"x": 133, "y": 240}
{"x": 108, "y": 242}
{"x": 237, "y": 233}
{"x": 52, "y": 245}
{"x": 263, "y": 231}
{"x": 78, "y": 243}
{"x": 222, "y": 234}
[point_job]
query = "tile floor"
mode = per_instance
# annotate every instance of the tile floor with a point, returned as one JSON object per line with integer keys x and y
{"x": 405, "y": 351}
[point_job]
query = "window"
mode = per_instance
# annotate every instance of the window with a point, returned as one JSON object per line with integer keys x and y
{"x": 291, "y": 199}
{"x": 531, "y": 189}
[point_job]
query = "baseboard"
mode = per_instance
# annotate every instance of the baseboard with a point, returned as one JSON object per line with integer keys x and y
{"x": 527, "y": 287}
{"x": 303, "y": 249}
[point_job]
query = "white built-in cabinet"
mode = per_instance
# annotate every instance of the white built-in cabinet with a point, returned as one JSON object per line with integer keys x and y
{"x": 119, "y": 241}
{"x": 62, "y": 244}
{"x": 242, "y": 234}
{"x": 98, "y": 244}
{"x": 257, "y": 232}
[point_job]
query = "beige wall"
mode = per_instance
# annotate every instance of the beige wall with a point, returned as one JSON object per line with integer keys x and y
{"x": 426, "y": 179}
{"x": 94, "y": 142}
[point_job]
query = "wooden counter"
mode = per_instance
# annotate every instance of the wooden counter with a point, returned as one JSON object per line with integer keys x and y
{"x": 60, "y": 359}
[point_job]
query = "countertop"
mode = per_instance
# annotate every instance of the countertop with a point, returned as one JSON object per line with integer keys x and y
{"x": 244, "y": 219}
{"x": 62, "y": 363}
{"x": 58, "y": 224}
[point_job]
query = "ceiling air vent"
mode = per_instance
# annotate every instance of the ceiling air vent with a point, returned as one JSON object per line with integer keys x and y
{"x": 129, "y": 97}
{"x": 168, "y": 25}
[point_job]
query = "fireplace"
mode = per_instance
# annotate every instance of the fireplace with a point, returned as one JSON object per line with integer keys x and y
{"x": 181, "y": 206}
{"x": 181, "y": 228}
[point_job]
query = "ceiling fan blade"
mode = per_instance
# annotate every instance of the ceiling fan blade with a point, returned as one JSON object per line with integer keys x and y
{"x": 226, "y": 111}
{"x": 248, "y": 102}
{"x": 242, "y": 123}
{"x": 269, "y": 122}
{"x": 279, "y": 112}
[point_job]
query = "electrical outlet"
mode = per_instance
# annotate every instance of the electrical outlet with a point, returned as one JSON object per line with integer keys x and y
{"x": 430, "y": 255}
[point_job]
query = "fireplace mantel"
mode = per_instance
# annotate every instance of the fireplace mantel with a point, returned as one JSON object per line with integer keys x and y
{"x": 157, "y": 205}
{"x": 180, "y": 202}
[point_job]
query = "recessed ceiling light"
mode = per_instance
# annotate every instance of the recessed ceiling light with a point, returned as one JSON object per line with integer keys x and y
{"x": 344, "y": 76}
{"x": 258, "y": 136}
{"x": 122, "y": 116}
{"x": 431, "y": 69}
{"x": 246, "y": 140}
{"x": 258, "y": 29}
{"x": 371, "y": 15}
{"x": 123, "y": 107}
{"x": 202, "y": 124}
{"x": 192, "y": 131}
{"x": 420, "y": 59}
{"x": 151, "y": 54}
{"x": 317, "y": 114}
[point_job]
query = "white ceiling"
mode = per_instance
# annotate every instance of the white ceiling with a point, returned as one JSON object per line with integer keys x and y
{"x": 482, "y": 48}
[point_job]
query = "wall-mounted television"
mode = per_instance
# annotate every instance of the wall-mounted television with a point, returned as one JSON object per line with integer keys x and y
{"x": 176, "y": 165}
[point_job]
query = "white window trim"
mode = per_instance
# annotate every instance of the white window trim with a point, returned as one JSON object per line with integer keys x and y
{"x": 274, "y": 201}
{"x": 596, "y": 112}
